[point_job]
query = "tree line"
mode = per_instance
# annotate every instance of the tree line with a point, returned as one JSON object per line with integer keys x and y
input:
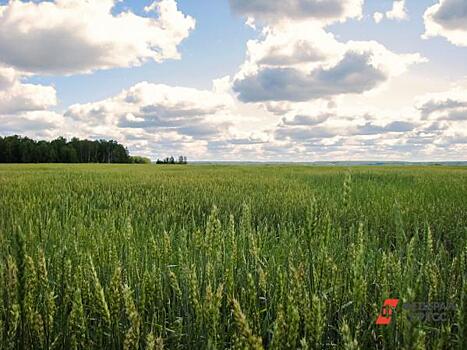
{"x": 17, "y": 149}
{"x": 172, "y": 160}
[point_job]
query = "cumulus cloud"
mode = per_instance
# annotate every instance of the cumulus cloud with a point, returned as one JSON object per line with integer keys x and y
{"x": 378, "y": 17}
{"x": 26, "y": 97}
{"x": 301, "y": 119}
{"x": 372, "y": 129}
{"x": 447, "y": 18}
{"x": 7, "y": 77}
{"x": 294, "y": 44}
{"x": 34, "y": 123}
{"x": 353, "y": 74}
{"x": 74, "y": 36}
{"x": 157, "y": 120}
{"x": 294, "y": 76}
{"x": 318, "y": 10}
{"x": 434, "y": 128}
{"x": 450, "y": 105}
{"x": 398, "y": 11}
{"x": 146, "y": 112}
{"x": 336, "y": 125}
{"x": 325, "y": 68}
{"x": 151, "y": 119}
{"x": 16, "y": 96}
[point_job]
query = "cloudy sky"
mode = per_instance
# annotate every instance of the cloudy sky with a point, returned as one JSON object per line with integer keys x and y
{"x": 290, "y": 80}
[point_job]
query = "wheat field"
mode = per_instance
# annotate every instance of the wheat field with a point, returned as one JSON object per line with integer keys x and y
{"x": 220, "y": 257}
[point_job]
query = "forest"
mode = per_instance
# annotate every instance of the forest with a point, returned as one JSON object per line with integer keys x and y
{"x": 17, "y": 149}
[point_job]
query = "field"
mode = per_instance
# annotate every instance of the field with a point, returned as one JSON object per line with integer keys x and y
{"x": 215, "y": 257}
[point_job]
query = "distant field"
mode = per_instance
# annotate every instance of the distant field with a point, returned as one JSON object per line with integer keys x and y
{"x": 230, "y": 256}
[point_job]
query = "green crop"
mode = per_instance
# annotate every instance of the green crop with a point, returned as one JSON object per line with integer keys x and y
{"x": 216, "y": 257}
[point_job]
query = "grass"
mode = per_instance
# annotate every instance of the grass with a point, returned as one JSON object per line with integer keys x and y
{"x": 214, "y": 257}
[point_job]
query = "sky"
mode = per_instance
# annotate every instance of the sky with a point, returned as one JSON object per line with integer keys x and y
{"x": 251, "y": 80}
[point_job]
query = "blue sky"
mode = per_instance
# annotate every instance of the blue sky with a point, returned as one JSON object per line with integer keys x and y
{"x": 215, "y": 49}
{"x": 297, "y": 81}
{"x": 218, "y": 46}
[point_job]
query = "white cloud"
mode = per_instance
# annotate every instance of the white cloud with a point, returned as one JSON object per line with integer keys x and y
{"x": 76, "y": 36}
{"x": 326, "y": 11}
{"x": 332, "y": 124}
{"x": 303, "y": 119}
{"x": 152, "y": 105}
{"x": 44, "y": 124}
{"x": 16, "y": 96}
{"x": 447, "y": 18}
{"x": 434, "y": 129}
{"x": 353, "y": 74}
{"x": 24, "y": 107}
{"x": 378, "y": 17}
{"x": 295, "y": 44}
{"x": 7, "y": 77}
{"x": 448, "y": 106}
{"x": 26, "y": 97}
{"x": 159, "y": 116}
{"x": 304, "y": 82}
{"x": 157, "y": 120}
{"x": 398, "y": 11}
{"x": 301, "y": 62}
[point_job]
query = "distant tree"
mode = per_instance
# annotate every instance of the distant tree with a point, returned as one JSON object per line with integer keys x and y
{"x": 26, "y": 150}
{"x": 16, "y": 149}
{"x": 69, "y": 154}
{"x": 59, "y": 145}
{"x": 44, "y": 152}
{"x": 172, "y": 160}
{"x": 2, "y": 150}
{"x": 12, "y": 149}
{"x": 140, "y": 160}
